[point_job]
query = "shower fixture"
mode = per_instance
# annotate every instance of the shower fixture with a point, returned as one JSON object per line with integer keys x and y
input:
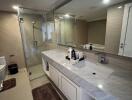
{"x": 35, "y": 42}
{"x": 21, "y": 19}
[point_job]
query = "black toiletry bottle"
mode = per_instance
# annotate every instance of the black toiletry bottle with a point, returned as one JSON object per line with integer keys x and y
{"x": 91, "y": 47}
{"x": 73, "y": 54}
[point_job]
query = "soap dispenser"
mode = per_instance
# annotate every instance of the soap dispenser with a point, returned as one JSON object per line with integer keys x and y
{"x": 73, "y": 54}
{"x": 91, "y": 47}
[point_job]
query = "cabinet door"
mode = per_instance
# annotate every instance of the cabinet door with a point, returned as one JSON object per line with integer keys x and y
{"x": 69, "y": 90}
{"x": 54, "y": 75}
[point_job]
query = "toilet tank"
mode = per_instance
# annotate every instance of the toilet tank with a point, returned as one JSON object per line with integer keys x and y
{"x": 2, "y": 68}
{"x": 2, "y": 60}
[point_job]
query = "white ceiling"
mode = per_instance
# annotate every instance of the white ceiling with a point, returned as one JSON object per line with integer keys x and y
{"x": 87, "y": 9}
{"x": 84, "y": 9}
{"x": 6, "y": 5}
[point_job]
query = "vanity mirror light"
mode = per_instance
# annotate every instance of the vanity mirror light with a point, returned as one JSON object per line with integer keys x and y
{"x": 105, "y": 26}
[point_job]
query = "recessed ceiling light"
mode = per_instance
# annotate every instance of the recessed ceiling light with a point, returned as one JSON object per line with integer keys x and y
{"x": 67, "y": 15}
{"x": 15, "y": 7}
{"x": 119, "y": 7}
{"x": 106, "y": 1}
{"x": 100, "y": 86}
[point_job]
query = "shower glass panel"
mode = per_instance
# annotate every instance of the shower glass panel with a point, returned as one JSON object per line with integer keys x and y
{"x": 33, "y": 27}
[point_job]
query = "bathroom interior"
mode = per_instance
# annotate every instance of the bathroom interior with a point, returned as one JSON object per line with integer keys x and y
{"x": 66, "y": 49}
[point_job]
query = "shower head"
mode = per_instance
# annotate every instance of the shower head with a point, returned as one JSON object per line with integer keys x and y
{"x": 21, "y": 19}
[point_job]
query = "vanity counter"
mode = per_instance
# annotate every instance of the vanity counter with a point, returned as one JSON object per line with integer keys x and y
{"x": 102, "y": 82}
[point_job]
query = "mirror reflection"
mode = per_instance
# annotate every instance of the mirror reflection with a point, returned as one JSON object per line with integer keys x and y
{"x": 99, "y": 25}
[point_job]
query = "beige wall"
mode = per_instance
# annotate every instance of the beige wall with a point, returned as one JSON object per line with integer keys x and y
{"x": 97, "y": 31}
{"x": 10, "y": 39}
{"x": 113, "y": 29}
{"x": 81, "y": 32}
{"x": 72, "y": 32}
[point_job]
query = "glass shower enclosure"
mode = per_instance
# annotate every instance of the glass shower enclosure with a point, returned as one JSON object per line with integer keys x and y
{"x": 36, "y": 29}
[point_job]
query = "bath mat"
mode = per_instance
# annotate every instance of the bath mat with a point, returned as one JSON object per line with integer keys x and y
{"x": 45, "y": 92}
{"x": 8, "y": 84}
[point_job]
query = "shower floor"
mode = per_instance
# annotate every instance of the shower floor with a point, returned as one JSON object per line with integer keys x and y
{"x": 36, "y": 71}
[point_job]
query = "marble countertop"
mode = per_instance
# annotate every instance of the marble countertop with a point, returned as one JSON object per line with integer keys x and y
{"x": 102, "y": 82}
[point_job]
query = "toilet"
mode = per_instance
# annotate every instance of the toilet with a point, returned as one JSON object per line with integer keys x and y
{"x": 2, "y": 71}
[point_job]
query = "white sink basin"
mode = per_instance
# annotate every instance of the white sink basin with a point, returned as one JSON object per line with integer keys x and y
{"x": 90, "y": 70}
{"x": 93, "y": 70}
{"x": 2, "y": 60}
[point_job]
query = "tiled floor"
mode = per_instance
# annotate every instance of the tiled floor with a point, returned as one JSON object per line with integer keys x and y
{"x": 37, "y": 78}
{"x": 36, "y": 72}
{"x": 39, "y": 81}
{"x": 24, "y": 86}
{"x": 22, "y": 91}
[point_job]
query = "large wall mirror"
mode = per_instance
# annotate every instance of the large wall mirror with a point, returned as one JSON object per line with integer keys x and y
{"x": 100, "y": 23}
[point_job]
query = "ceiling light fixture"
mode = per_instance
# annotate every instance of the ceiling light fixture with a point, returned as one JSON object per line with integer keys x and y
{"x": 119, "y": 7}
{"x": 100, "y": 86}
{"x": 67, "y": 15}
{"x": 106, "y": 1}
{"x": 15, "y": 7}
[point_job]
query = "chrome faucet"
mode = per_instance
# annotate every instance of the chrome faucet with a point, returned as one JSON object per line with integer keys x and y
{"x": 102, "y": 59}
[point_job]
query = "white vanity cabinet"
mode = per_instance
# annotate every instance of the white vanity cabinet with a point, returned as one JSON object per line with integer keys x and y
{"x": 54, "y": 75}
{"x": 68, "y": 88}
{"x": 71, "y": 91}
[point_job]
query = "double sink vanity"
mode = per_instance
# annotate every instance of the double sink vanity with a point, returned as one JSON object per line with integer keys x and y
{"x": 86, "y": 80}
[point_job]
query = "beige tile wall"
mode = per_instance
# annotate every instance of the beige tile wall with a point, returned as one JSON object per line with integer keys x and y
{"x": 72, "y": 32}
{"x": 97, "y": 31}
{"x": 10, "y": 39}
{"x": 81, "y": 32}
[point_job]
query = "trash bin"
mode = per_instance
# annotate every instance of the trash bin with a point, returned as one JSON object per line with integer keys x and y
{"x": 13, "y": 69}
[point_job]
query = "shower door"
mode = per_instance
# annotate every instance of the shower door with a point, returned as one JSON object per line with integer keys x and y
{"x": 32, "y": 29}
